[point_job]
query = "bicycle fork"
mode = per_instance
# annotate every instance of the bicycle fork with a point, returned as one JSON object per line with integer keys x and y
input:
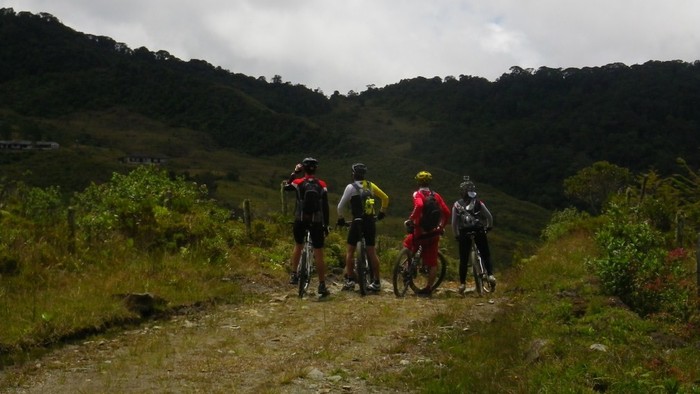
{"x": 412, "y": 268}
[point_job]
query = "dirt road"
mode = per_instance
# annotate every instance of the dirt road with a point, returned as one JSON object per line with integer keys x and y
{"x": 273, "y": 342}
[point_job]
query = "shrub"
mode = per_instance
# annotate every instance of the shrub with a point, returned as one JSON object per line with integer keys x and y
{"x": 634, "y": 265}
{"x": 154, "y": 211}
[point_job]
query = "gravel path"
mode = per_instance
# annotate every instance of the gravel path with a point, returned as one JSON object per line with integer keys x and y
{"x": 273, "y": 343}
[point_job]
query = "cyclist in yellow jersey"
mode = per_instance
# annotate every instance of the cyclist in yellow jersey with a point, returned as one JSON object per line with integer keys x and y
{"x": 367, "y": 210}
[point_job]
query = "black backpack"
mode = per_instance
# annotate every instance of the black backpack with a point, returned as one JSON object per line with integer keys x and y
{"x": 310, "y": 191}
{"x": 430, "y": 218}
{"x": 366, "y": 201}
{"x": 469, "y": 213}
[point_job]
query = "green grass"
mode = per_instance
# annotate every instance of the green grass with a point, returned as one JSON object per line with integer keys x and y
{"x": 44, "y": 304}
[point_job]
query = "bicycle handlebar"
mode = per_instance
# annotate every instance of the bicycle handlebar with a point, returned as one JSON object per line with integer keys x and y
{"x": 357, "y": 219}
{"x": 476, "y": 231}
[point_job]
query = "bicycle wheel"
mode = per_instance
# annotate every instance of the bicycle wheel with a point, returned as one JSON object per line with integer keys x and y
{"x": 478, "y": 270}
{"x": 486, "y": 285}
{"x": 402, "y": 276}
{"x": 361, "y": 267}
{"x": 304, "y": 271}
{"x": 419, "y": 280}
{"x": 441, "y": 270}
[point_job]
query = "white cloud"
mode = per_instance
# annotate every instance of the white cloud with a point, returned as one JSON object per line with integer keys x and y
{"x": 344, "y": 45}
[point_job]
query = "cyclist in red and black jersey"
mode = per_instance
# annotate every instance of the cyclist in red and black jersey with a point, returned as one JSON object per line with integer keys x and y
{"x": 318, "y": 222}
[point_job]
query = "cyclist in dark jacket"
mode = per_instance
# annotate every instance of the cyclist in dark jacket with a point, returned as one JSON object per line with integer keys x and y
{"x": 470, "y": 213}
{"x": 318, "y": 221}
{"x": 351, "y": 197}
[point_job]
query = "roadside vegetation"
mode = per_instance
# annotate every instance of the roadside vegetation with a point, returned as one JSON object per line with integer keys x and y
{"x": 66, "y": 268}
{"x": 608, "y": 303}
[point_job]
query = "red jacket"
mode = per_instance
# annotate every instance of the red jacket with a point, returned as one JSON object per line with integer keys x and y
{"x": 418, "y": 200}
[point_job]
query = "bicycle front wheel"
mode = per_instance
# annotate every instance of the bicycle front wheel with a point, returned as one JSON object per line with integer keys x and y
{"x": 441, "y": 270}
{"x": 478, "y": 270}
{"x": 402, "y": 275}
{"x": 421, "y": 277}
{"x": 486, "y": 285}
{"x": 304, "y": 272}
{"x": 362, "y": 267}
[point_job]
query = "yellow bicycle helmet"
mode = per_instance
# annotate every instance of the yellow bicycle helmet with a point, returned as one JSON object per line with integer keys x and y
{"x": 424, "y": 178}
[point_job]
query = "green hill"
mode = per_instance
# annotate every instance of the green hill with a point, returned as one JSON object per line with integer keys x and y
{"x": 519, "y": 137}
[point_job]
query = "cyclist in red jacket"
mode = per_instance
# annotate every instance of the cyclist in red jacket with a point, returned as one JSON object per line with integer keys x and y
{"x": 420, "y": 232}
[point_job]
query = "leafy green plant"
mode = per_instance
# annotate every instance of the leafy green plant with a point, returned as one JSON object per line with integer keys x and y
{"x": 633, "y": 265}
{"x": 152, "y": 209}
{"x": 688, "y": 188}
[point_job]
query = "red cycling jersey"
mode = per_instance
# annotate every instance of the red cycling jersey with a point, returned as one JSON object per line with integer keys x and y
{"x": 429, "y": 241}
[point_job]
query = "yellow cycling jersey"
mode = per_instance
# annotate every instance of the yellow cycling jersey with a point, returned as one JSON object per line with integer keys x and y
{"x": 361, "y": 204}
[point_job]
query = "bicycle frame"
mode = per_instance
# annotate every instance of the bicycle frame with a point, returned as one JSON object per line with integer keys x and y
{"x": 481, "y": 283}
{"x": 363, "y": 267}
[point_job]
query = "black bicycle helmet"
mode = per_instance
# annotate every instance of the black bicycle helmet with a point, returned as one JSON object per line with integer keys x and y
{"x": 467, "y": 188}
{"x": 359, "y": 170}
{"x": 309, "y": 163}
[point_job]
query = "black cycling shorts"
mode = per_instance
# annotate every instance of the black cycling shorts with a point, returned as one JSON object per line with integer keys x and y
{"x": 317, "y": 236}
{"x": 369, "y": 227}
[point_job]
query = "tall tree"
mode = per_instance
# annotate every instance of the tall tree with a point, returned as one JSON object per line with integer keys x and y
{"x": 593, "y": 185}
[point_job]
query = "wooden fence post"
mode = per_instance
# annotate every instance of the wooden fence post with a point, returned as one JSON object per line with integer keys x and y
{"x": 283, "y": 198}
{"x": 697, "y": 262}
{"x": 247, "y": 216}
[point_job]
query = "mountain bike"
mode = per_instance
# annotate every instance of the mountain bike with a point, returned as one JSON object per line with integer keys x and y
{"x": 306, "y": 264}
{"x": 481, "y": 280}
{"x": 363, "y": 267}
{"x": 410, "y": 272}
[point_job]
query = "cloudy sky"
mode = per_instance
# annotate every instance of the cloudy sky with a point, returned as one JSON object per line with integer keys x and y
{"x": 349, "y": 44}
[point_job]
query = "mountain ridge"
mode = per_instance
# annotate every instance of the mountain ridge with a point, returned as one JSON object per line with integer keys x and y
{"x": 523, "y": 134}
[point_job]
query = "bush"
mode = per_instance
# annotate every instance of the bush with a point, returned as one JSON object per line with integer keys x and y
{"x": 634, "y": 265}
{"x": 154, "y": 211}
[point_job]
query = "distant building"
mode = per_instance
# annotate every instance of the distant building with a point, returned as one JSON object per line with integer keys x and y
{"x": 141, "y": 158}
{"x": 21, "y": 145}
{"x": 46, "y": 145}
